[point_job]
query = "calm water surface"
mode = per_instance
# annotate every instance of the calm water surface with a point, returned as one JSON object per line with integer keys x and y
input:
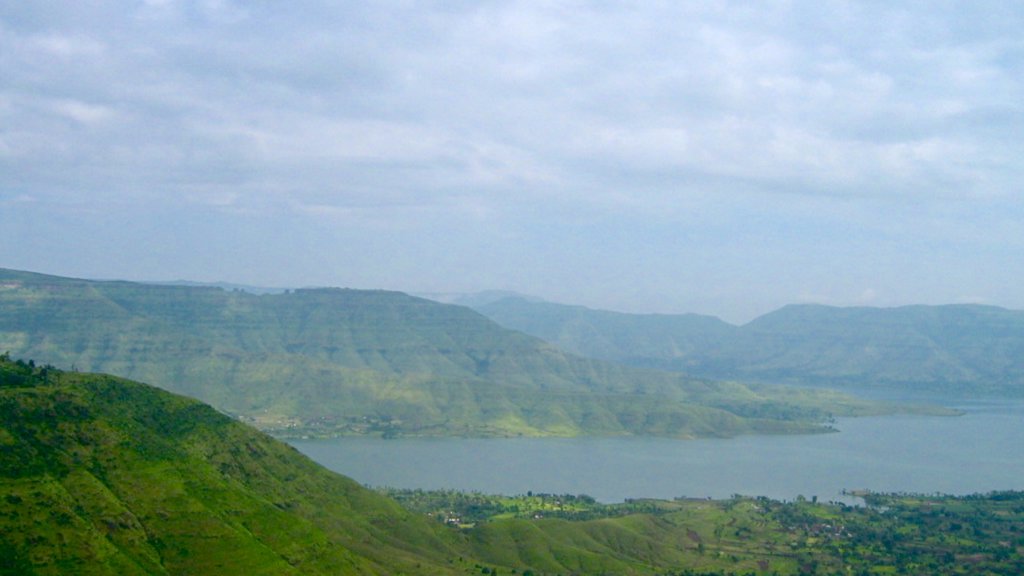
{"x": 978, "y": 452}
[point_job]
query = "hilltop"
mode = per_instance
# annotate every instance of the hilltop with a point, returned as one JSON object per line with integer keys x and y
{"x": 330, "y": 361}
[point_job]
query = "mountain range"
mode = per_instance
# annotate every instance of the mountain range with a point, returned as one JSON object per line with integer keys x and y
{"x": 330, "y": 361}
{"x": 952, "y": 349}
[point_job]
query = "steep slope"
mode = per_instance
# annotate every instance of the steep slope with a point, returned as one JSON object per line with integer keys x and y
{"x": 332, "y": 360}
{"x": 101, "y": 475}
{"x": 957, "y": 348}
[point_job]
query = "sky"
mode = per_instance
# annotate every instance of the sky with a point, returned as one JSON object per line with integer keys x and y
{"x": 723, "y": 158}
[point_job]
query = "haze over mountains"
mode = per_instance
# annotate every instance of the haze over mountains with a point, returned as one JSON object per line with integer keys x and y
{"x": 956, "y": 349}
{"x": 358, "y": 361}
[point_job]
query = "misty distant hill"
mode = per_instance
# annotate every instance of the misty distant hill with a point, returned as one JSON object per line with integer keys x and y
{"x": 223, "y": 285}
{"x": 474, "y": 299}
{"x": 951, "y": 349}
{"x": 369, "y": 361}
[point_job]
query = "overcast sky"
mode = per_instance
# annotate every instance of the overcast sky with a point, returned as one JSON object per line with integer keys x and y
{"x": 717, "y": 157}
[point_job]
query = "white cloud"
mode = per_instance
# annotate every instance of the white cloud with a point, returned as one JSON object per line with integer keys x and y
{"x": 65, "y": 47}
{"x": 82, "y": 112}
{"x": 789, "y": 125}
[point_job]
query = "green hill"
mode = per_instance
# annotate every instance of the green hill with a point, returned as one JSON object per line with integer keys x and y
{"x": 101, "y": 475}
{"x": 948, "y": 349}
{"x": 354, "y": 361}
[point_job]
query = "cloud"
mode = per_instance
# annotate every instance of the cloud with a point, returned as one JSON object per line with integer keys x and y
{"x": 524, "y": 92}
{"x": 791, "y": 126}
{"x": 81, "y": 112}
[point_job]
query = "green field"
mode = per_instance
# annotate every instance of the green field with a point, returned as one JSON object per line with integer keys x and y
{"x": 891, "y": 534}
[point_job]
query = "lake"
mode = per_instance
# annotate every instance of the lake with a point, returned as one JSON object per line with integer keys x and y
{"x": 978, "y": 452}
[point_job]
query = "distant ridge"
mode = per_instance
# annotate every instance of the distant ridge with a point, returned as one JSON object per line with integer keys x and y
{"x": 474, "y": 299}
{"x": 330, "y": 361}
{"x": 222, "y": 285}
{"x": 959, "y": 349}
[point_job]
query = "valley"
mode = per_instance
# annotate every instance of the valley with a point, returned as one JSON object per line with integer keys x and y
{"x": 102, "y": 475}
{"x": 107, "y": 475}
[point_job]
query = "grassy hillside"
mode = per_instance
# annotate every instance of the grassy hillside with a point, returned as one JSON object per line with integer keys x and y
{"x": 100, "y": 475}
{"x": 948, "y": 349}
{"x": 354, "y": 361}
